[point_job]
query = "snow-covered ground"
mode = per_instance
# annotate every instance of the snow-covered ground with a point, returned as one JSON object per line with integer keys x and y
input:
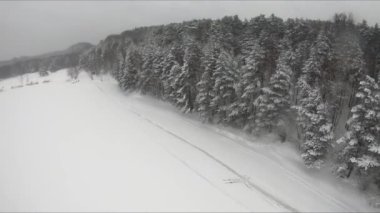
{"x": 86, "y": 146}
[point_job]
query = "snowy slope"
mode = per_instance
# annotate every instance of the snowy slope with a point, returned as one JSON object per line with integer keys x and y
{"x": 86, "y": 146}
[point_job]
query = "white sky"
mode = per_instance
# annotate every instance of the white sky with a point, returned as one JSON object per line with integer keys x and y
{"x": 35, "y": 27}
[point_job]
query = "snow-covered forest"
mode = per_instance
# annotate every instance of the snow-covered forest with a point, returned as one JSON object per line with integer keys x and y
{"x": 310, "y": 81}
{"x": 169, "y": 117}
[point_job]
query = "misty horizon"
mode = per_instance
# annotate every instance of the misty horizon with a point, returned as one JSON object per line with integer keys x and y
{"x": 36, "y": 28}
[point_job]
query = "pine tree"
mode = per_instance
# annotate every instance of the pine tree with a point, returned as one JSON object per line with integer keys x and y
{"x": 314, "y": 66}
{"x": 313, "y": 120}
{"x": 274, "y": 101}
{"x": 168, "y": 63}
{"x": 186, "y": 80}
{"x": 249, "y": 83}
{"x": 146, "y": 77}
{"x": 206, "y": 83}
{"x": 184, "y": 95}
{"x": 322, "y": 48}
{"x": 361, "y": 151}
{"x": 311, "y": 72}
{"x": 312, "y": 117}
{"x": 157, "y": 69}
{"x": 119, "y": 67}
{"x": 225, "y": 85}
{"x": 174, "y": 83}
{"x": 131, "y": 71}
{"x": 349, "y": 56}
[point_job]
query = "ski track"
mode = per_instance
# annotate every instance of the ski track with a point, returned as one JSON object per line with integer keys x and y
{"x": 202, "y": 176}
{"x": 243, "y": 143}
{"x": 270, "y": 198}
{"x": 172, "y": 154}
{"x": 290, "y": 174}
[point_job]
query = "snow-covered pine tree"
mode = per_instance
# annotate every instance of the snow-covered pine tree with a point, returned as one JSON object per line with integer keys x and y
{"x": 349, "y": 56}
{"x": 167, "y": 64}
{"x": 221, "y": 33}
{"x": 184, "y": 101}
{"x": 274, "y": 101}
{"x": 206, "y": 83}
{"x": 145, "y": 82}
{"x": 312, "y": 68}
{"x": 322, "y": 47}
{"x": 316, "y": 127}
{"x": 119, "y": 66}
{"x": 361, "y": 143}
{"x": 174, "y": 83}
{"x": 249, "y": 84}
{"x": 157, "y": 69}
{"x": 131, "y": 71}
{"x": 224, "y": 90}
{"x": 187, "y": 79}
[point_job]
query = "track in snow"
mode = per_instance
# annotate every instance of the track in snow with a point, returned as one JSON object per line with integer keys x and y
{"x": 251, "y": 184}
{"x": 271, "y": 198}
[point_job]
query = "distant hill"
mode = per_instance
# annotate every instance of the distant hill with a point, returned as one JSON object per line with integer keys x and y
{"x": 46, "y": 62}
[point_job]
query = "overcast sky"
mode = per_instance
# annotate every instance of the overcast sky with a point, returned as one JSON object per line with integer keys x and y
{"x": 35, "y": 27}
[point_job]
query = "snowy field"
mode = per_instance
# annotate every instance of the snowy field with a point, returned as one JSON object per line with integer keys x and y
{"x": 86, "y": 146}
